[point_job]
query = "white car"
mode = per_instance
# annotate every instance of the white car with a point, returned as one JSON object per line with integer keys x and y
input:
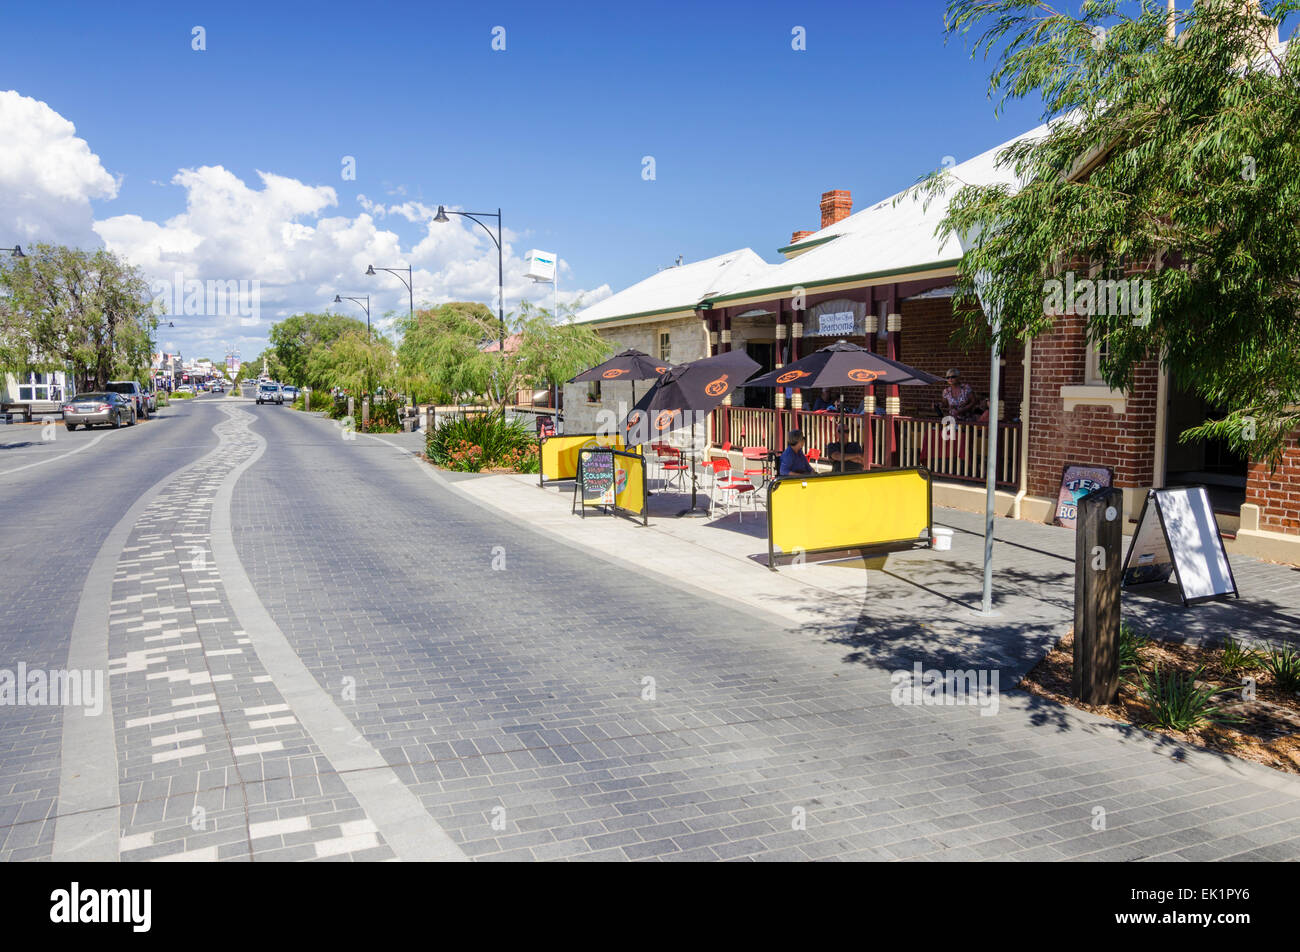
{"x": 270, "y": 393}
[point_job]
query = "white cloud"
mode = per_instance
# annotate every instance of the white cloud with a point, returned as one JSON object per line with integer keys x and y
{"x": 288, "y": 236}
{"x": 48, "y": 176}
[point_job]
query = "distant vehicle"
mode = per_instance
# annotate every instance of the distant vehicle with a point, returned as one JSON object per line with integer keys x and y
{"x": 184, "y": 388}
{"x": 270, "y": 393}
{"x": 131, "y": 389}
{"x": 151, "y": 397}
{"x": 290, "y": 392}
{"x": 88, "y": 409}
{"x": 218, "y": 388}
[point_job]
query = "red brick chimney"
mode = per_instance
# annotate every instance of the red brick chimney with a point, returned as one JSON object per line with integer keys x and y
{"x": 837, "y": 205}
{"x": 798, "y": 235}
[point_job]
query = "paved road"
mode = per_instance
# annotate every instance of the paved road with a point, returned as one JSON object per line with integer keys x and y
{"x": 318, "y": 650}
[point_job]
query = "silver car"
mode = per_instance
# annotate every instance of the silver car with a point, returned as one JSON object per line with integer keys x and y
{"x": 269, "y": 393}
{"x": 88, "y": 409}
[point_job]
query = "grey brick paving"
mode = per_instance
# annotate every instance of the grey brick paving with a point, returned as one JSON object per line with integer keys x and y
{"x": 511, "y": 702}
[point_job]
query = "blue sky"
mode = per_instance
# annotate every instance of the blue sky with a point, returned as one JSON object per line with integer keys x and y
{"x": 745, "y": 132}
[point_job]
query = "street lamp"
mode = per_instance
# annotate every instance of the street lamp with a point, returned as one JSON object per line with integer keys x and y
{"x": 409, "y": 281}
{"x": 441, "y": 217}
{"x": 17, "y": 251}
{"x": 364, "y": 302}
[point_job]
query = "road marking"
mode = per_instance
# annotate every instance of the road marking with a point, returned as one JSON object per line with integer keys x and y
{"x": 406, "y": 826}
{"x": 52, "y": 459}
{"x": 87, "y": 830}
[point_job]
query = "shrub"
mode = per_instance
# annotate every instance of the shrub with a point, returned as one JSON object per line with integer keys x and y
{"x": 1236, "y": 657}
{"x": 1178, "y": 703}
{"x": 483, "y": 441}
{"x": 1283, "y": 662}
{"x": 1130, "y": 649}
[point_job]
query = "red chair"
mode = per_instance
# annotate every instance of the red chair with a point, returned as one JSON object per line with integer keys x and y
{"x": 671, "y": 467}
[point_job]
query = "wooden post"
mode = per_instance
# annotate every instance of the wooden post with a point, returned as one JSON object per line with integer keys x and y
{"x": 352, "y": 409}
{"x": 1097, "y": 565}
{"x": 365, "y": 413}
{"x": 306, "y": 399}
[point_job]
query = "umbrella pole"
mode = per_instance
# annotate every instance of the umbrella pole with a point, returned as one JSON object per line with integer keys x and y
{"x": 692, "y": 511}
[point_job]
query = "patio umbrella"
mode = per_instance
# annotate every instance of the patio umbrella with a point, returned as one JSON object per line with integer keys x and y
{"x": 630, "y": 365}
{"x": 684, "y": 392}
{"x": 842, "y": 365}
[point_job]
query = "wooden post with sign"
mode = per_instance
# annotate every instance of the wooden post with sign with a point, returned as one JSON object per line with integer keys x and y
{"x": 1097, "y": 572}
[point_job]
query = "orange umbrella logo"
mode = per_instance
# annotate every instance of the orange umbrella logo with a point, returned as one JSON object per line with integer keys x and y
{"x": 611, "y": 374}
{"x": 661, "y": 370}
{"x": 665, "y": 419}
{"x": 863, "y": 376}
{"x": 718, "y": 387}
{"x": 792, "y": 376}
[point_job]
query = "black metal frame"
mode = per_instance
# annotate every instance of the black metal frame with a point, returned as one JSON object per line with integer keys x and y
{"x": 929, "y": 505}
{"x": 541, "y": 479}
{"x": 1173, "y": 560}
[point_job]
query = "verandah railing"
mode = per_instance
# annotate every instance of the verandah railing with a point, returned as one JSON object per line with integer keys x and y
{"x": 952, "y": 451}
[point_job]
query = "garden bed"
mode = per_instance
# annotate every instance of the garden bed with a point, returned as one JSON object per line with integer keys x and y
{"x": 1267, "y": 729}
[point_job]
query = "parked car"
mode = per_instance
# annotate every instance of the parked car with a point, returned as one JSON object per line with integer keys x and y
{"x": 290, "y": 393}
{"x": 269, "y": 393}
{"x": 87, "y": 409}
{"x": 131, "y": 389}
{"x": 151, "y": 398}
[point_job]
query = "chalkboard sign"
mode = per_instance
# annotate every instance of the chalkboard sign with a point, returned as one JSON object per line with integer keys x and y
{"x": 1076, "y": 482}
{"x": 596, "y": 476}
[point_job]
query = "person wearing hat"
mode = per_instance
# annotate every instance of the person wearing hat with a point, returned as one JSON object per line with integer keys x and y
{"x": 794, "y": 462}
{"x": 957, "y": 398}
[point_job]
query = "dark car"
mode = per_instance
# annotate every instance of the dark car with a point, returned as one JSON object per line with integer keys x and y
{"x": 87, "y": 409}
{"x": 134, "y": 392}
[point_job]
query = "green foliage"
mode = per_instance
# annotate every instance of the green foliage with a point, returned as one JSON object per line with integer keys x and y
{"x": 353, "y": 362}
{"x": 441, "y": 352}
{"x": 551, "y": 353}
{"x": 1283, "y": 662}
{"x": 1178, "y": 161}
{"x": 181, "y": 395}
{"x": 66, "y": 307}
{"x": 296, "y": 339}
{"x": 1178, "y": 703}
{"x": 1236, "y": 657}
{"x": 1130, "y": 650}
{"x": 483, "y": 441}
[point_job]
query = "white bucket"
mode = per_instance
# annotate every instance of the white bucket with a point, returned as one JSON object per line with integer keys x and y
{"x": 940, "y": 539}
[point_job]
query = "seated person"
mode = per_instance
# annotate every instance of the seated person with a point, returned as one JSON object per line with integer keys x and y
{"x": 824, "y": 401}
{"x": 957, "y": 398}
{"x": 793, "y": 460}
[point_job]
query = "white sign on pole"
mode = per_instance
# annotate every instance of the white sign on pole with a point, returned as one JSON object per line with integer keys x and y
{"x": 1177, "y": 535}
{"x": 541, "y": 266}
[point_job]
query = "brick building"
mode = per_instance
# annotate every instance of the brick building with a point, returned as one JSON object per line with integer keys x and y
{"x": 881, "y": 278}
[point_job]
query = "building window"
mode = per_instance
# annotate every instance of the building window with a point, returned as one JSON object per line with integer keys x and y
{"x": 1098, "y": 351}
{"x": 593, "y": 392}
{"x": 665, "y": 347}
{"x": 39, "y": 387}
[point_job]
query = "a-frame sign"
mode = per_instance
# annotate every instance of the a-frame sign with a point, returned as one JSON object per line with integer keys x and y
{"x": 1177, "y": 535}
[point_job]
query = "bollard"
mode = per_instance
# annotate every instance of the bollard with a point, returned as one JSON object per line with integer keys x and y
{"x": 352, "y": 408}
{"x": 1097, "y": 565}
{"x": 306, "y": 399}
{"x": 365, "y": 413}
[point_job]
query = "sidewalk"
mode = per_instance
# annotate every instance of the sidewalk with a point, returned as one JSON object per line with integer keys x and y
{"x": 892, "y": 608}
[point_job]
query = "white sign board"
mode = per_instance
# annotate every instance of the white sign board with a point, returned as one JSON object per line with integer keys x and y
{"x": 541, "y": 266}
{"x": 835, "y": 323}
{"x": 1177, "y": 534}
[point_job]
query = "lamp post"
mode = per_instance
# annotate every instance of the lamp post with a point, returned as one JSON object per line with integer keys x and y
{"x": 409, "y": 281}
{"x": 364, "y": 302}
{"x": 441, "y": 217}
{"x": 17, "y": 251}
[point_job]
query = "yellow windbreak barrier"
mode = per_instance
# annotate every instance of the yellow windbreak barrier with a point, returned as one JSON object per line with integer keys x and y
{"x": 559, "y": 455}
{"x": 629, "y": 483}
{"x": 847, "y": 511}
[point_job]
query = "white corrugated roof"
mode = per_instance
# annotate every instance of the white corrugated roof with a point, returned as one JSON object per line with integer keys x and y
{"x": 678, "y": 288}
{"x": 885, "y": 236}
